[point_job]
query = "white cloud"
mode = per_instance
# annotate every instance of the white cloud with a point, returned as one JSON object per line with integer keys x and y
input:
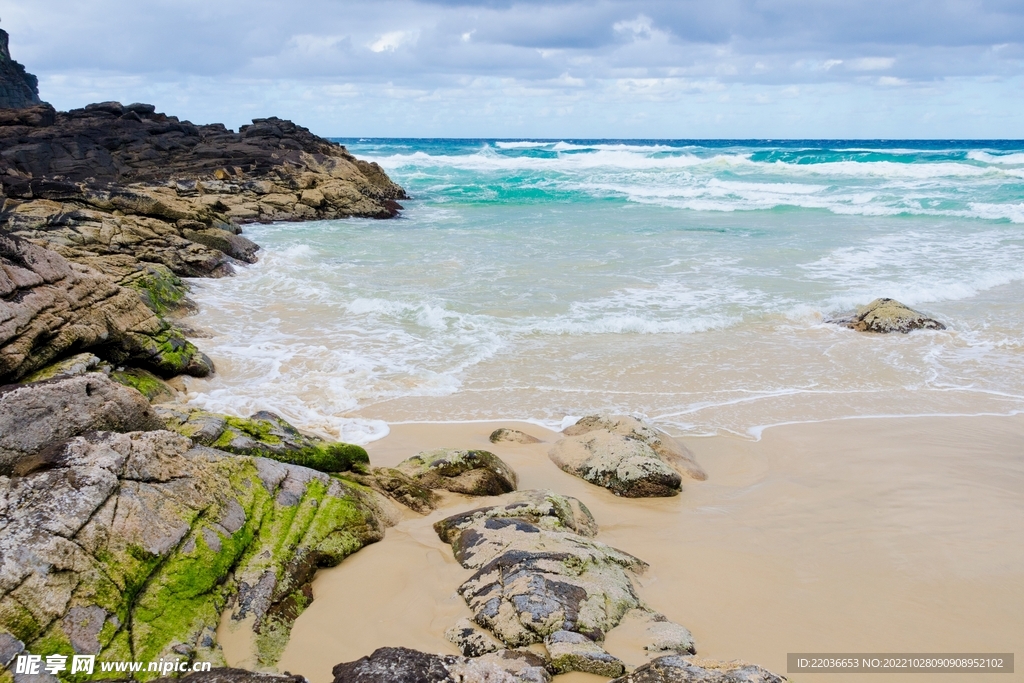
{"x": 871, "y": 63}
{"x": 392, "y": 40}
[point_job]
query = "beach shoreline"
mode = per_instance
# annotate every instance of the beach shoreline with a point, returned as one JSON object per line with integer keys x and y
{"x": 884, "y": 535}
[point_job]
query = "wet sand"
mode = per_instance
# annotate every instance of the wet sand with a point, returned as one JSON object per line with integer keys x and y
{"x": 874, "y": 535}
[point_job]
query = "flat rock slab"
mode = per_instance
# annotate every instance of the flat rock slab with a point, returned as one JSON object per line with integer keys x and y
{"x": 885, "y": 316}
{"x": 402, "y": 665}
{"x": 677, "y": 669}
{"x": 472, "y": 472}
{"x": 575, "y": 652}
{"x": 471, "y": 640}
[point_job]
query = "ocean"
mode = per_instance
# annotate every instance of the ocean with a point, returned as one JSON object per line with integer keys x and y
{"x": 688, "y": 282}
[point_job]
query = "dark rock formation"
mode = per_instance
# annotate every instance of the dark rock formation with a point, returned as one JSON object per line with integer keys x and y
{"x": 472, "y": 472}
{"x": 887, "y": 315}
{"x": 35, "y": 417}
{"x": 128, "y": 546}
{"x": 226, "y": 675}
{"x": 18, "y": 88}
{"x": 402, "y": 665}
{"x": 676, "y": 669}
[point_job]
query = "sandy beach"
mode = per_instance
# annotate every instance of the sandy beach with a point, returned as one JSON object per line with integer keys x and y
{"x": 874, "y": 535}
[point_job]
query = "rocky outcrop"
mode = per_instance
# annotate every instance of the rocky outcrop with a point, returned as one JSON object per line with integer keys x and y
{"x": 18, "y": 88}
{"x": 471, "y": 640}
{"x": 885, "y": 316}
{"x": 129, "y": 546}
{"x": 676, "y": 669}
{"x": 266, "y": 435}
{"x": 227, "y": 675}
{"x": 36, "y": 417}
{"x": 539, "y": 571}
{"x": 402, "y": 665}
{"x": 513, "y": 435}
{"x": 50, "y": 308}
{"x": 111, "y": 180}
{"x": 472, "y": 472}
{"x": 626, "y": 456}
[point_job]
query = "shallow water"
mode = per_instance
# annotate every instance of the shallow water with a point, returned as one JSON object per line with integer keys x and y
{"x": 686, "y": 282}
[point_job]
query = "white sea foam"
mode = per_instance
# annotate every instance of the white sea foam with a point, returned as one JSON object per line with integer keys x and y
{"x": 1015, "y": 158}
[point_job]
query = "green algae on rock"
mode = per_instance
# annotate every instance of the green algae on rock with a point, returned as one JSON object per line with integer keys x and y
{"x": 138, "y": 543}
{"x": 146, "y": 383}
{"x": 472, "y": 472}
{"x": 266, "y": 435}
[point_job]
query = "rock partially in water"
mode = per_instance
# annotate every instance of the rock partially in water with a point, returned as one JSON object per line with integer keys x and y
{"x": 571, "y": 651}
{"x": 35, "y": 417}
{"x": 885, "y": 316}
{"x": 129, "y": 545}
{"x": 471, "y": 640}
{"x": 472, "y": 472}
{"x": 662, "y": 636}
{"x": 677, "y": 669}
{"x": 402, "y": 665}
{"x": 625, "y": 466}
{"x": 667, "y": 447}
{"x": 265, "y": 434}
{"x": 513, "y": 435}
{"x": 536, "y": 575}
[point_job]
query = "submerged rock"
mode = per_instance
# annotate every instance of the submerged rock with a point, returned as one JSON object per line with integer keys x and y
{"x": 513, "y": 435}
{"x": 575, "y": 652}
{"x": 661, "y": 635}
{"x": 537, "y": 575}
{"x": 266, "y": 435}
{"x": 677, "y": 669}
{"x": 36, "y": 417}
{"x": 887, "y": 315}
{"x": 129, "y": 545}
{"x": 472, "y": 472}
{"x": 402, "y": 665}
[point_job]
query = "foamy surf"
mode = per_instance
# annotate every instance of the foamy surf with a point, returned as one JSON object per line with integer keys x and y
{"x": 539, "y": 279}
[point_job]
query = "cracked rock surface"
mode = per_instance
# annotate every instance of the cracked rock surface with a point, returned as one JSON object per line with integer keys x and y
{"x": 128, "y": 546}
{"x": 677, "y": 669}
{"x": 402, "y": 665}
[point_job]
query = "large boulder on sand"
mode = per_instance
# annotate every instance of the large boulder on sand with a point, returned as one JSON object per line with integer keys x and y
{"x": 472, "y": 472}
{"x": 677, "y": 669}
{"x": 667, "y": 447}
{"x": 887, "y": 315}
{"x": 34, "y": 416}
{"x": 539, "y": 570}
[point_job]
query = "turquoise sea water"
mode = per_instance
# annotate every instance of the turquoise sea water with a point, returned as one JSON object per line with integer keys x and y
{"x": 687, "y": 281}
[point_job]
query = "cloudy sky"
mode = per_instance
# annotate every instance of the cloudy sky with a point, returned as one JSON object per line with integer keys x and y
{"x": 544, "y": 68}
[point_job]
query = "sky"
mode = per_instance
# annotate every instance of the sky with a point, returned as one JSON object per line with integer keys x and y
{"x": 543, "y": 68}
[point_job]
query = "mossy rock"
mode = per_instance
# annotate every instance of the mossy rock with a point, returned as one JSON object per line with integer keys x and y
{"x": 146, "y": 383}
{"x": 472, "y": 472}
{"x": 884, "y": 316}
{"x": 265, "y": 435}
{"x": 401, "y": 488}
{"x": 164, "y": 292}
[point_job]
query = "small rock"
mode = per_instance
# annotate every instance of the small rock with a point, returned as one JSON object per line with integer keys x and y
{"x": 575, "y": 652}
{"x": 523, "y": 664}
{"x": 662, "y": 636}
{"x": 472, "y": 472}
{"x": 513, "y": 435}
{"x": 678, "y": 669}
{"x": 885, "y": 316}
{"x": 471, "y": 640}
{"x": 79, "y": 364}
{"x": 668, "y": 448}
{"x": 625, "y": 466}
{"x": 402, "y": 665}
